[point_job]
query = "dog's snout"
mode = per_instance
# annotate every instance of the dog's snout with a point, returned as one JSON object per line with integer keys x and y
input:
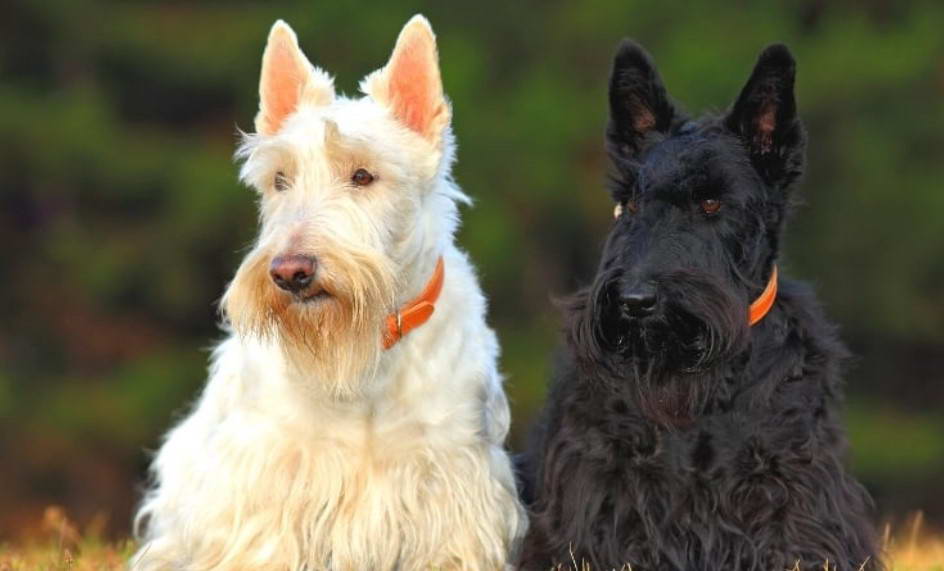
{"x": 638, "y": 301}
{"x": 294, "y": 272}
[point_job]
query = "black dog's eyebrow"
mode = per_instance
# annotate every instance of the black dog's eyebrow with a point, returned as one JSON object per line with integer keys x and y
{"x": 682, "y": 188}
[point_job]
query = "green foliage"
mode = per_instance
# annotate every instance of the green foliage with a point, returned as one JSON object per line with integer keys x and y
{"x": 122, "y": 219}
{"x": 881, "y": 429}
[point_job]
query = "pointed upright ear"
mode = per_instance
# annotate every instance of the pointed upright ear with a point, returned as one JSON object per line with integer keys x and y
{"x": 765, "y": 118}
{"x": 410, "y": 84}
{"x": 287, "y": 80}
{"x": 639, "y": 104}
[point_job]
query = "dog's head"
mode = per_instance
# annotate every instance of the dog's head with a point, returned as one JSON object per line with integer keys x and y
{"x": 700, "y": 206}
{"x": 354, "y": 200}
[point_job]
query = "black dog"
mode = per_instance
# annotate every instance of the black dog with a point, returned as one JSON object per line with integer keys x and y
{"x": 678, "y": 435}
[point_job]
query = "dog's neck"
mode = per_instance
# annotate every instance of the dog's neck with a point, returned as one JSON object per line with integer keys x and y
{"x": 417, "y": 311}
{"x": 431, "y": 238}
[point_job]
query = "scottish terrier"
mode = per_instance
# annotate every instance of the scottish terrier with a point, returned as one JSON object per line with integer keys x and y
{"x": 354, "y": 419}
{"x": 693, "y": 423}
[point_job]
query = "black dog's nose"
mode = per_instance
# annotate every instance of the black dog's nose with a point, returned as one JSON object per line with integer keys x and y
{"x": 639, "y": 301}
{"x": 293, "y": 273}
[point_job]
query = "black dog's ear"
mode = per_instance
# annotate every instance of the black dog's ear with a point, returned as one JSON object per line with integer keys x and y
{"x": 765, "y": 118}
{"x": 639, "y": 104}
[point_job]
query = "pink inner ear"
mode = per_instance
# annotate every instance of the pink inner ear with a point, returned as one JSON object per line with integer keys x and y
{"x": 643, "y": 119}
{"x": 281, "y": 86}
{"x": 414, "y": 84}
{"x": 764, "y": 127}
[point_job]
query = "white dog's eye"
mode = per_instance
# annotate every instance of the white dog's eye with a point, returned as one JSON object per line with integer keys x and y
{"x": 280, "y": 183}
{"x": 361, "y": 177}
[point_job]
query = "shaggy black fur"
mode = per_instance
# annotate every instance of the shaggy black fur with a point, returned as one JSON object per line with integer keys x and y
{"x": 677, "y": 437}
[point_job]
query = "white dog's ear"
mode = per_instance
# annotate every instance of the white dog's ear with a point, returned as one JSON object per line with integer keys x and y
{"x": 287, "y": 80}
{"x": 410, "y": 84}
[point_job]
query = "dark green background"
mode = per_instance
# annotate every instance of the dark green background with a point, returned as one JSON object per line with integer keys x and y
{"x": 121, "y": 219}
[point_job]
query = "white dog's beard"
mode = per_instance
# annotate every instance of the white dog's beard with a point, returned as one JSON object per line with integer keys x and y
{"x": 331, "y": 344}
{"x": 326, "y": 349}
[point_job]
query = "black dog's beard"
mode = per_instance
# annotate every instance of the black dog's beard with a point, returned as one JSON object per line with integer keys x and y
{"x": 676, "y": 341}
{"x": 671, "y": 361}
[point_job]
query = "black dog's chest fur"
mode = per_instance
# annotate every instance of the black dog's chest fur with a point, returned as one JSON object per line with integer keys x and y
{"x": 754, "y": 481}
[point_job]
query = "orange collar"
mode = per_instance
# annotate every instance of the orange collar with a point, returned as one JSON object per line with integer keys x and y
{"x": 762, "y": 304}
{"x": 416, "y": 312}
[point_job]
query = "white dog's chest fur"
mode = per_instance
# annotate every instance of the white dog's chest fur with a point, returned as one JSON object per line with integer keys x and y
{"x": 267, "y": 473}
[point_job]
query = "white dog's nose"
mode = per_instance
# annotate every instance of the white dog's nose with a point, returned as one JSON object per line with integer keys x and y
{"x": 293, "y": 272}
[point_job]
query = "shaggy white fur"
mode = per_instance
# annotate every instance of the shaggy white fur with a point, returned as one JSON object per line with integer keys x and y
{"x": 311, "y": 447}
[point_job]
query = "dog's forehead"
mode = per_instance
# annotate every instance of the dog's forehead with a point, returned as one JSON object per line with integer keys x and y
{"x": 356, "y": 124}
{"x": 683, "y": 158}
{"x": 352, "y": 117}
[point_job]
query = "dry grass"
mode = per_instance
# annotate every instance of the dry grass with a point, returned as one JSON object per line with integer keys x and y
{"x": 60, "y": 546}
{"x": 914, "y": 549}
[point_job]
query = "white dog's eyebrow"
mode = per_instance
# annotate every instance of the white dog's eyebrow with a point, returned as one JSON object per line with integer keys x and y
{"x": 252, "y": 145}
{"x": 347, "y": 151}
{"x": 263, "y": 156}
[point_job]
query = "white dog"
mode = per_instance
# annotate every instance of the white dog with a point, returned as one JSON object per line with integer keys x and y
{"x": 354, "y": 419}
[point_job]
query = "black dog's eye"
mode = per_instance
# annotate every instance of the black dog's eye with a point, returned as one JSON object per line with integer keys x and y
{"x": 710, "y": 206}
{"x": 631, "y": 206}
{"x": 280, "y": 183}
{"x": 362, "y": 178}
